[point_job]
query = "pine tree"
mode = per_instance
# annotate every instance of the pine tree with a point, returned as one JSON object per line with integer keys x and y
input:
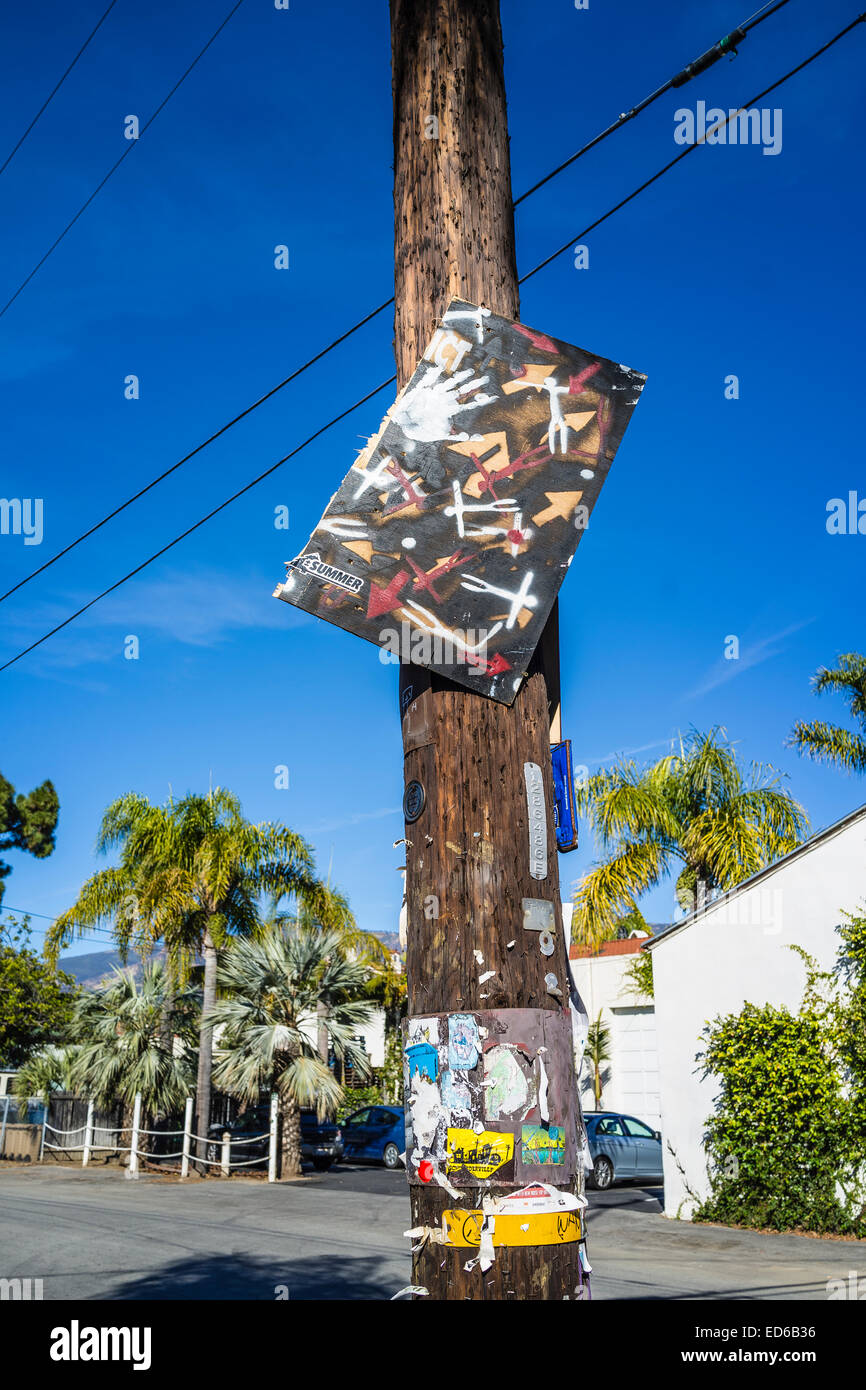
{"x": 27, "y": 822}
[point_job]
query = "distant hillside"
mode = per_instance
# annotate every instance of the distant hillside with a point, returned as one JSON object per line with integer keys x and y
{"x": 92, "y": 968}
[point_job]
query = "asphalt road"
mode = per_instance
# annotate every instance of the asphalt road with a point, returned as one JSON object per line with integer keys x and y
{"x": 98, "y": 1235}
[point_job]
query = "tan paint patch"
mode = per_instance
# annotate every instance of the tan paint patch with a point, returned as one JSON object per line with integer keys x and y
{"x": 364, "y": 549}
{"x": 534, "y": 375}
{"x": 562, "y": 504}
{"x": 501, "y": 459}
{"x": 576, "y": 419}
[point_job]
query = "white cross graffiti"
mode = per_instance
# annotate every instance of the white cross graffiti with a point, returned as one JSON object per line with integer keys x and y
{"x": 557, "y": 419}
{"x": 521, "y": 599}
{"x": 460, "y": 508}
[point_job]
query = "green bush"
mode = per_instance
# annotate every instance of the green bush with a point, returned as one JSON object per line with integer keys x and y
{"x": 354, "y": 1097}
{"x": 785, "y": 1145}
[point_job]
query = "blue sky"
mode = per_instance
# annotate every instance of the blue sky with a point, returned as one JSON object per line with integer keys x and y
{"x": 713, "y": 519}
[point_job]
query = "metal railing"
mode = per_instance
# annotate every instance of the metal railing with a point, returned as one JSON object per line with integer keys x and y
{"x": 224, "y": 1162}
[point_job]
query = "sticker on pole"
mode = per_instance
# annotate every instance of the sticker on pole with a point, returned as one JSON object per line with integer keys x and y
{"x": 482, "y": 1154}
{"x": 448, "y": 539}
{"x": 463, "y": 1228}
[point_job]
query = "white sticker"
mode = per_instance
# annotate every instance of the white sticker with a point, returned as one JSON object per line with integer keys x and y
{"x": 537, "y": 820}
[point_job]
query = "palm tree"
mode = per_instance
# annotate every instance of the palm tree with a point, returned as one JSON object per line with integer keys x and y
{"x": 42, "y": 1072}
{"x": 694, "y": 807}
{"x": 191, "y": 874}
{"x": 121, "y": 1046}
{"x": 830, "y": 742}
{"x": 597, "y": 1052}
{"x": 270, "y": 986}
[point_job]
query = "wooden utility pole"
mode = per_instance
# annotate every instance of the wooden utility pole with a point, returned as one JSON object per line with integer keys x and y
{"x": 468, "y": 852}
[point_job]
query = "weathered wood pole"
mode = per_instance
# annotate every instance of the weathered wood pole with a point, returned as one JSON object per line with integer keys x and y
{"x": 468, "y": 853}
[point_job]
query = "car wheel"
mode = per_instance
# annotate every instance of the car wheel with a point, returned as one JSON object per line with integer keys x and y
{"x": 391, "y": 1156}
{"x": 322, "y": 1165}
{"x": 212, "y": 1153}
{"x": 601, "y": 1176}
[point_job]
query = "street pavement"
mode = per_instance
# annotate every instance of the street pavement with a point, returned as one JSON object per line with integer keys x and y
{"x": 339, "y": 1235}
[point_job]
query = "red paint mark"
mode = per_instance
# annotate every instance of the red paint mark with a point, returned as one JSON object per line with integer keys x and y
{"x": 497, "y": 665}
{"x": 406, "y": 483}
{"x": 540, "y": 454}
{"x": 413, "y": 497}
{"x": 383, "y": 600}
{"x": 494, "y": 667}
{"x": 538, "y": 340}
{"x": 425, "y": 1170}
{"x": 487, "y": 485}
{"x": 516, "y": 537}
{"x": 577, "y": 383}
{"x": 425, "y": 580}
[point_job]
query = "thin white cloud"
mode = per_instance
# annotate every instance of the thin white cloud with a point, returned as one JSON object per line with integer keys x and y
{"x": 199, "y": 609}
{"x": 619, "y": 753}
{"x": 352, "y": 820}
{"x": 752, "y": 654}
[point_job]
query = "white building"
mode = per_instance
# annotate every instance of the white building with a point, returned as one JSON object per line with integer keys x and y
{"x": 737, "y": 950}
{"x": 629, "y": 1017}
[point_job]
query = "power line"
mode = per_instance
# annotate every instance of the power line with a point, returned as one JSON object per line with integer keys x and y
{"x": 52, "y": 94}
{"x": 700, "y": 64}
{"x": 197, "y": 450}
{"x": 688, "y": 150}
{"x": 228, "y": 501}
{"x": 130, "y": 147}
{"x": 25, "y": 912}
{"x": 724, "y": 47}
{"x": 691, "y": 148}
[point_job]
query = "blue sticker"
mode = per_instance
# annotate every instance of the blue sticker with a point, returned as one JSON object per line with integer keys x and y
{"x": 424, "y": 1060}
{"x": 463, "y": 1042}
{"x": 455, "y": 1094}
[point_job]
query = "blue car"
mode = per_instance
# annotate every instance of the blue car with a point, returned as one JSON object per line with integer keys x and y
{"x": 622, "y": 1148}
{"x": 376, "y": 1132}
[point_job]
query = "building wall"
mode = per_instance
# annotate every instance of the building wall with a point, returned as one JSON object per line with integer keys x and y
{"x": 630, "y": 1018}
{"x": 737, "y": 951}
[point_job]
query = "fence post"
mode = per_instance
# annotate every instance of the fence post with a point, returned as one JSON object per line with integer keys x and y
{"x": 136, "y": 1125}
{"x": 272, "y": 1139}
{"x": 187, "y": 1132}
{"x": 3, "y": 1130}
{"x": 44, "y": 1127}
{"x": 226, "y": 1154}
{"x": 88, "y": 1135}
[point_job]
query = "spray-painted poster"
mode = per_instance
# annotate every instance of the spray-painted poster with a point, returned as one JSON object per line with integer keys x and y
{"x": 448, "y": 540}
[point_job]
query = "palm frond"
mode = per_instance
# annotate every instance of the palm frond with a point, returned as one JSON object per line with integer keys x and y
{"x": 610, "y": 888}
{"x": 830, "y": 743}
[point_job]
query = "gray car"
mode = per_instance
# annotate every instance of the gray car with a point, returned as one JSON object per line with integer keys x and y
{"x": 622, "y": 1148}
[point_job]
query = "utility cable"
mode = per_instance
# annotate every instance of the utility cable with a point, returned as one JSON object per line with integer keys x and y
{"x": 723, "y": 46}
{"x": 116, "y": 165}
{"x": 53, "y": 93}
{"x": 647, "y": 183}
{"x": 691, "y": 148}
{"x": 188, "y": 532}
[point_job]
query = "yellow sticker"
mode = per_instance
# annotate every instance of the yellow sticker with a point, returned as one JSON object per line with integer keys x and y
{"x": 461, "y": 1227}
{"x": 481, "y": 1154}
